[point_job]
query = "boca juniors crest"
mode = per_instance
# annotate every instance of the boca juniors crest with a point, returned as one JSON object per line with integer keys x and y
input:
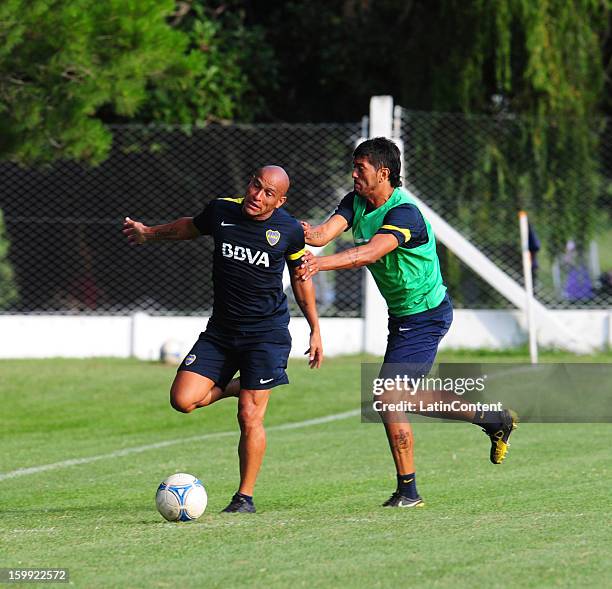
{"x": 272, "y": 236}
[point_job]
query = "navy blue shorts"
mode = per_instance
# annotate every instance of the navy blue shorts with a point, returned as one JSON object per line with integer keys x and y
{"x": 413, "y": 341}
{"x": 261, "y": 358}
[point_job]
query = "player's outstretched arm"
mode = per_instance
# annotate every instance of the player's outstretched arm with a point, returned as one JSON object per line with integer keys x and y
{"x": 322, "y": 234}
{"x": 139, "y": 233}
{"x": 305, "y": 296}
{"x": 378, "y": 246}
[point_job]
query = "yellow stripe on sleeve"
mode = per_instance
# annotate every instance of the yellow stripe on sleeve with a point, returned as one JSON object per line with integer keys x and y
{"x": 297, "y": 255}
{"x": 238, "y": 200}
{"x": 404, "y": 232}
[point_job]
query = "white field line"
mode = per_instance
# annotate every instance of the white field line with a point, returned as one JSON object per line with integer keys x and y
{"x": 20, "y": 472}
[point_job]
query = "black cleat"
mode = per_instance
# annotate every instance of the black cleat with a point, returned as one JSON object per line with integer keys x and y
{"x": 397, "y": 500}
{"x": 239, "y": 504}
{"x": 499, "y": 435}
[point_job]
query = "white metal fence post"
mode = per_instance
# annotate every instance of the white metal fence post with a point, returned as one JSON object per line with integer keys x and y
{"x": 375, "y": 307}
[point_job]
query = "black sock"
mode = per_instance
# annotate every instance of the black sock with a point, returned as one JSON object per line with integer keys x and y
{"x": 249, "y": 498}
{"x": 487, "y": 419}
{"x": 406, "y": 485}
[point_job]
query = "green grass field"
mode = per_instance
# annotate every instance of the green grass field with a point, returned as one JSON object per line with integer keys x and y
{"x": 541, "y": 519}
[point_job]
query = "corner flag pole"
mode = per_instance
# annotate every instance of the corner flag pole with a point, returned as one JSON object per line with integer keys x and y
{"x": 528, "y": 276}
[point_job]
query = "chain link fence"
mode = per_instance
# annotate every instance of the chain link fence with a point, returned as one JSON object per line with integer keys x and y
{"x": 63, "y": 251}
{"x": 63, "y": 248}
{"x": 477, "y": 172}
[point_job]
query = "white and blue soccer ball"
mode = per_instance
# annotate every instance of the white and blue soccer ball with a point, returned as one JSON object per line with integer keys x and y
{"x": 181, "y": 497}
{"x": 172, "y": 352}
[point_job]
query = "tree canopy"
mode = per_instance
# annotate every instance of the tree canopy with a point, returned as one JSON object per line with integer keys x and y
{"x": 67, "y": 68}
{"x": 452, "y": 55}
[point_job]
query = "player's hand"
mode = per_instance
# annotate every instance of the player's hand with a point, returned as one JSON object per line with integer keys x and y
{"x": 315, "y": 351}
{"x": 306, "y": 226}
{"x": 309, "y": 266}
{"x": 134, "y": 231}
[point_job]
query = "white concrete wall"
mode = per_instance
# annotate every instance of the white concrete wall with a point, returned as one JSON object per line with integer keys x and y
{"x": 508, "y": 328}
{"x": 77, "y": 336}
{"x": 142, "y": 336}
{"x": 485, "y": 329}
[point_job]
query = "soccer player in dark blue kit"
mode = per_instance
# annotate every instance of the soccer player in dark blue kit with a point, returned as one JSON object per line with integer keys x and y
{"x": 248, "y": 329}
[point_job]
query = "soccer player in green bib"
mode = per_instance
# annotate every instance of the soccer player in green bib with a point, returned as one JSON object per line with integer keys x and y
{"x": 397, "y": 245}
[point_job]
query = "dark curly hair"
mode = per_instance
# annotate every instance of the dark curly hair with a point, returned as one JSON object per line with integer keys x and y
{"x": 382, "y": 153}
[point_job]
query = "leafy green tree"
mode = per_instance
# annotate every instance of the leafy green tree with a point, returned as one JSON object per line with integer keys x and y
{"x": 537, "y": 66}
{"x": 452, "y": 56}
{"x": 66, "y": 68}
{"x": 238, "y": 68}
{"x": 61, "y": 62}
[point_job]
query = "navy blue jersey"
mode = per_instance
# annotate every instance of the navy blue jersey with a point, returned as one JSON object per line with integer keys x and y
{"x": 248, "y": 264}
{"x": 404, "y": 221}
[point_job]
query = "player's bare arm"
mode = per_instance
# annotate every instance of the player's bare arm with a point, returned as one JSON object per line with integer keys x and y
{"x": 321, "y": 235}
{"x": 355, "y": 257}
{"x": 305, "y": 296}
{"x": 138, "y": 233}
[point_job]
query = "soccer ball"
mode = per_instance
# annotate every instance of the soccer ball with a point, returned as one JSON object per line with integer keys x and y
{"x": 172, "y": 352}
{"x": 181, "y": 497}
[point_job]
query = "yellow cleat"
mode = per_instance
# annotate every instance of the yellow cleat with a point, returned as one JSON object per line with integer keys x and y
{"x": 499, "y": 437}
